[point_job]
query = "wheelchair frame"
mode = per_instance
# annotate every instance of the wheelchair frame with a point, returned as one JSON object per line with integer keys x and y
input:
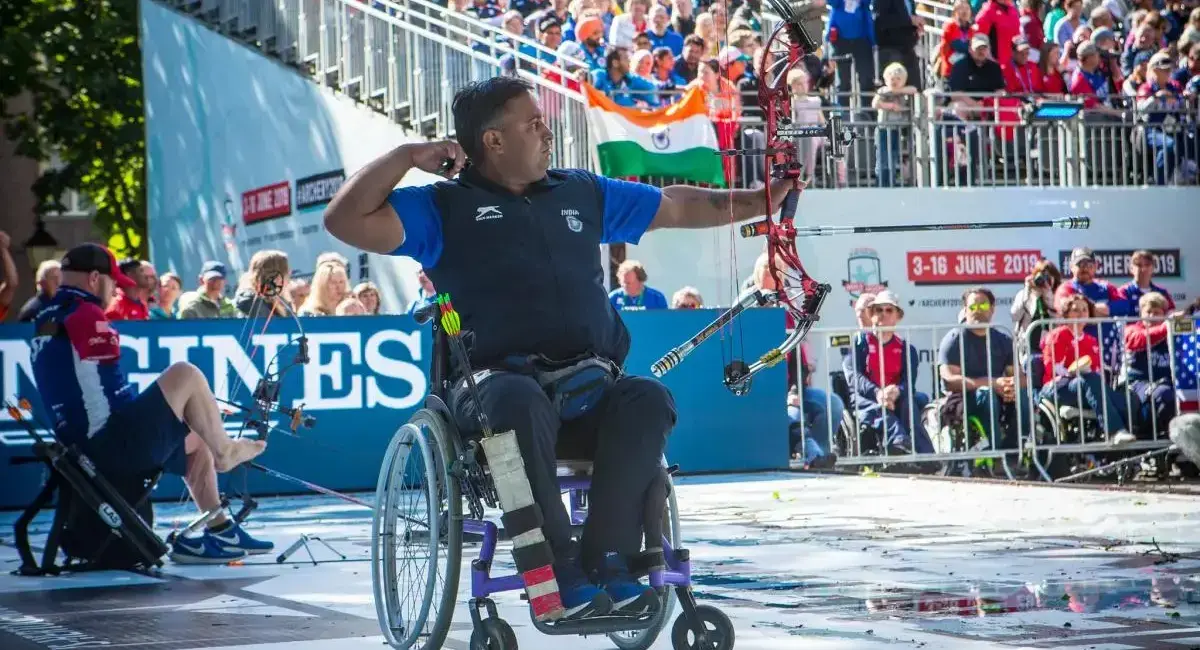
{"x": 460, "y": 477}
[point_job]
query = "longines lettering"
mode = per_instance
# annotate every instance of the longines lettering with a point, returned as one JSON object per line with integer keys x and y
{"x": 347, "y": 370}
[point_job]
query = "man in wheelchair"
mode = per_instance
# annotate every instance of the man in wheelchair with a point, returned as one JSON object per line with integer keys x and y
{"x": 174, "y": 425}
{"x": 882, "y": 374}
{"x": 975, "y": 364}
{"x": 515, "y": 245}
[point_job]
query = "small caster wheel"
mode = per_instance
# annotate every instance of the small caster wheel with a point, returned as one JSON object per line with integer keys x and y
{"x": 493, "y": 634}
{"x": 716, "y": 623}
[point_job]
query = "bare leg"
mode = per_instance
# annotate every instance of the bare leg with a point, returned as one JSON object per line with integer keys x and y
{"x": 186, "y": 390}
{"x": 201, "y": 478}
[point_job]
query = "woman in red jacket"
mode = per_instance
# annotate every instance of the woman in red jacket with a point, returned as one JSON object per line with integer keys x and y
{"x": 1000, "y": 21}
{"x": 1053, "y": 82}
{"x": 955, "y": 36}
{"x": 1074, "y": 373}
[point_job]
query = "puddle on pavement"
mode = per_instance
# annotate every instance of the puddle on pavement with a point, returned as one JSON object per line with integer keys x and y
{"x": 964, "y": 599}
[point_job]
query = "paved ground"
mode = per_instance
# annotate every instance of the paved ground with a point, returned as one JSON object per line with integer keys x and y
{"x": 796, "y": 560}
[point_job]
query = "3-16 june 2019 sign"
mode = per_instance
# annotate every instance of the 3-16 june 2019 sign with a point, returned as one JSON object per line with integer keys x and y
{"x": 970, "y": 267}
{"x": 268, "y": 202}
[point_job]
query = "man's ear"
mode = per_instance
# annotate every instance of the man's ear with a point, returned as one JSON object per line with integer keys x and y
{"x": 492, "y": 140}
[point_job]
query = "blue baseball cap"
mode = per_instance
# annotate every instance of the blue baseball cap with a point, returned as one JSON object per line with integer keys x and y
{"x": 212, "y": 269}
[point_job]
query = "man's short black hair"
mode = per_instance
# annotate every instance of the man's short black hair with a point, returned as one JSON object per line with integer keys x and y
{"x": 984, "y": 290}
{"x": 129, "y": 265}
{"x": 612, "y": 55}
{"x": 661, "y": 51}
{"x": 478, "y": 105}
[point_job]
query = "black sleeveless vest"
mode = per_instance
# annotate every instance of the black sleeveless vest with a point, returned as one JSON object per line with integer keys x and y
{"x": 524, "y": 272}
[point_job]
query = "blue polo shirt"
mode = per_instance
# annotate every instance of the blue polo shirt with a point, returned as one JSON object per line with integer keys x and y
{"x": 524, "y": 272}
{"x": 648, "y": 299}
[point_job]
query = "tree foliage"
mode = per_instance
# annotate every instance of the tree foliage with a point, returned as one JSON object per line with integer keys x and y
{"x": 80, "y": 64}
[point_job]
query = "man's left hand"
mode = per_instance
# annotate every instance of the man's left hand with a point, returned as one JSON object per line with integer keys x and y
{"x": 779, "y": 189}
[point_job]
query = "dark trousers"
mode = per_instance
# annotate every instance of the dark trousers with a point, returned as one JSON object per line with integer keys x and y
{"x": 1153, "y": 408}
{"x": 624, "y": 436}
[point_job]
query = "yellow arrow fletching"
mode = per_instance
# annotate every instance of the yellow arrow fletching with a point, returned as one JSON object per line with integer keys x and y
{"x": 451, "y": 323}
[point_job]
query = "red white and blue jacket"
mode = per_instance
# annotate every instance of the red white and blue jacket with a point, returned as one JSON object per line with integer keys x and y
{"x": 76, "y": 355}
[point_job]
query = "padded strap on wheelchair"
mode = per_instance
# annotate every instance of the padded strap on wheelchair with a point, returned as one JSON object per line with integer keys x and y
{"x": 522, "y": 520}
{"x": 529, "y": 558}
{"x": 519, "y": 522}
{"x": 648, "y": 560}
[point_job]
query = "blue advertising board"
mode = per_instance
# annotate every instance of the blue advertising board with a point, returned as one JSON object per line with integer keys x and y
{"x": 368, "y": 374}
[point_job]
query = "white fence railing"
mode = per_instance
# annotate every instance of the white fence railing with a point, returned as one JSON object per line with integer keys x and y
{"x": 1034, "y": 423}
{"x": 407, "y": 58}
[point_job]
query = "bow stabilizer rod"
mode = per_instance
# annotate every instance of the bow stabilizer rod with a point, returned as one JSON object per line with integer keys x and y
{"x": 1065, "y": 223}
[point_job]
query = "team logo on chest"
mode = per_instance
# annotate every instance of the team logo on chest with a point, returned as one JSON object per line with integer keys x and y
{"x": 488, "y": 212}
{"x": 573, "y": 221}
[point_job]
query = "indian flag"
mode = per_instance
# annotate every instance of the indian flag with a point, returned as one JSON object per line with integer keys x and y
{"x": 677, "y": 141}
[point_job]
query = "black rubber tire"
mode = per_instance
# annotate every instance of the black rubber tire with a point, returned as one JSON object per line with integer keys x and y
{"x": 720, "y": 630}
{"x": 493, "y": 634}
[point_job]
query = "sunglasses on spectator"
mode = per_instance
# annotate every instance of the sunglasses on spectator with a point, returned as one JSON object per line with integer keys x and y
{"x": 883, "y": 310}
{"x": 979, "y": 306}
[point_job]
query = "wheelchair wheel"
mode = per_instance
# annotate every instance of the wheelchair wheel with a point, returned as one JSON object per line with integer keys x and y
{"x": 642, "y": 639}
{"x": 416, "y": 536}
{"x": 719, "y": 627}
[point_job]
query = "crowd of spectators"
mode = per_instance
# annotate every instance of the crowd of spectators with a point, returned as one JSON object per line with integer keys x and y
{"x": 1124, "y": 375}
{"x": 156, "y": 297}
{"x": 1128, "y": 60}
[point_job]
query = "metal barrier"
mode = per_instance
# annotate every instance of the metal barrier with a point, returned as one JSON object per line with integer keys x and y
{"x": 1065, "y": 421}
{"x": 407, "y": 58}
{"x": 862, "y": 435}
{"x": 1042, "y": 426}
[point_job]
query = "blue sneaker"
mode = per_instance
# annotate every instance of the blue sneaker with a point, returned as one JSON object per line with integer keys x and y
{"x": 236, "y": 539}
{"x": 203, "y": 550}
{"x": 629, "y": 597}
{"x": 580, "y": 597}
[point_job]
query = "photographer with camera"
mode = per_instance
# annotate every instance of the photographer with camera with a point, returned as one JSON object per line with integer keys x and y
{"x": 1034, "y": 302}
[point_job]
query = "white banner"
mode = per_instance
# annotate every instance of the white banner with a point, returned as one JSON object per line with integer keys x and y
{"x": 244, "y": 153}
{"x": 930, "y": 270}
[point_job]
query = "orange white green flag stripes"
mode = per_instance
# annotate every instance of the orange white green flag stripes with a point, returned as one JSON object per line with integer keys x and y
{"x": 675, "y": 142}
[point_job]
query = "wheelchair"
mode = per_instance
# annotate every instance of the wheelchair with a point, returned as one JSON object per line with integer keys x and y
{"x": 1070, "y": 425}
{"x": 419, "y": 513}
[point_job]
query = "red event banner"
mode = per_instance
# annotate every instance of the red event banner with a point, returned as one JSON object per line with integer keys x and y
{"x": 267, "y": 202}
{"x": 970, "y": 267}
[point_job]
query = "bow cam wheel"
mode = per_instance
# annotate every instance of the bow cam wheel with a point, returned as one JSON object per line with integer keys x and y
{"x": 493, "y": 634}
{"x": 716, "y": 623}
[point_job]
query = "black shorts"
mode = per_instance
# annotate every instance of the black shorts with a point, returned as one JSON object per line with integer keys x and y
{"x": 142, "y": 437}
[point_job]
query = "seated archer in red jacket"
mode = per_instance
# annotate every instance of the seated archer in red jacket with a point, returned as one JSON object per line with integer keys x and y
{"x": 1073, "y": 370}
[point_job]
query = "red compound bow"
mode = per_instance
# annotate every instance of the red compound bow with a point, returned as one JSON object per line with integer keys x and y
{"x": 791, "y": 286}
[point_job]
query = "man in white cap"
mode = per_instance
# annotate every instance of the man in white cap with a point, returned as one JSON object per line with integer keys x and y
{"x": 882, "y": 373}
